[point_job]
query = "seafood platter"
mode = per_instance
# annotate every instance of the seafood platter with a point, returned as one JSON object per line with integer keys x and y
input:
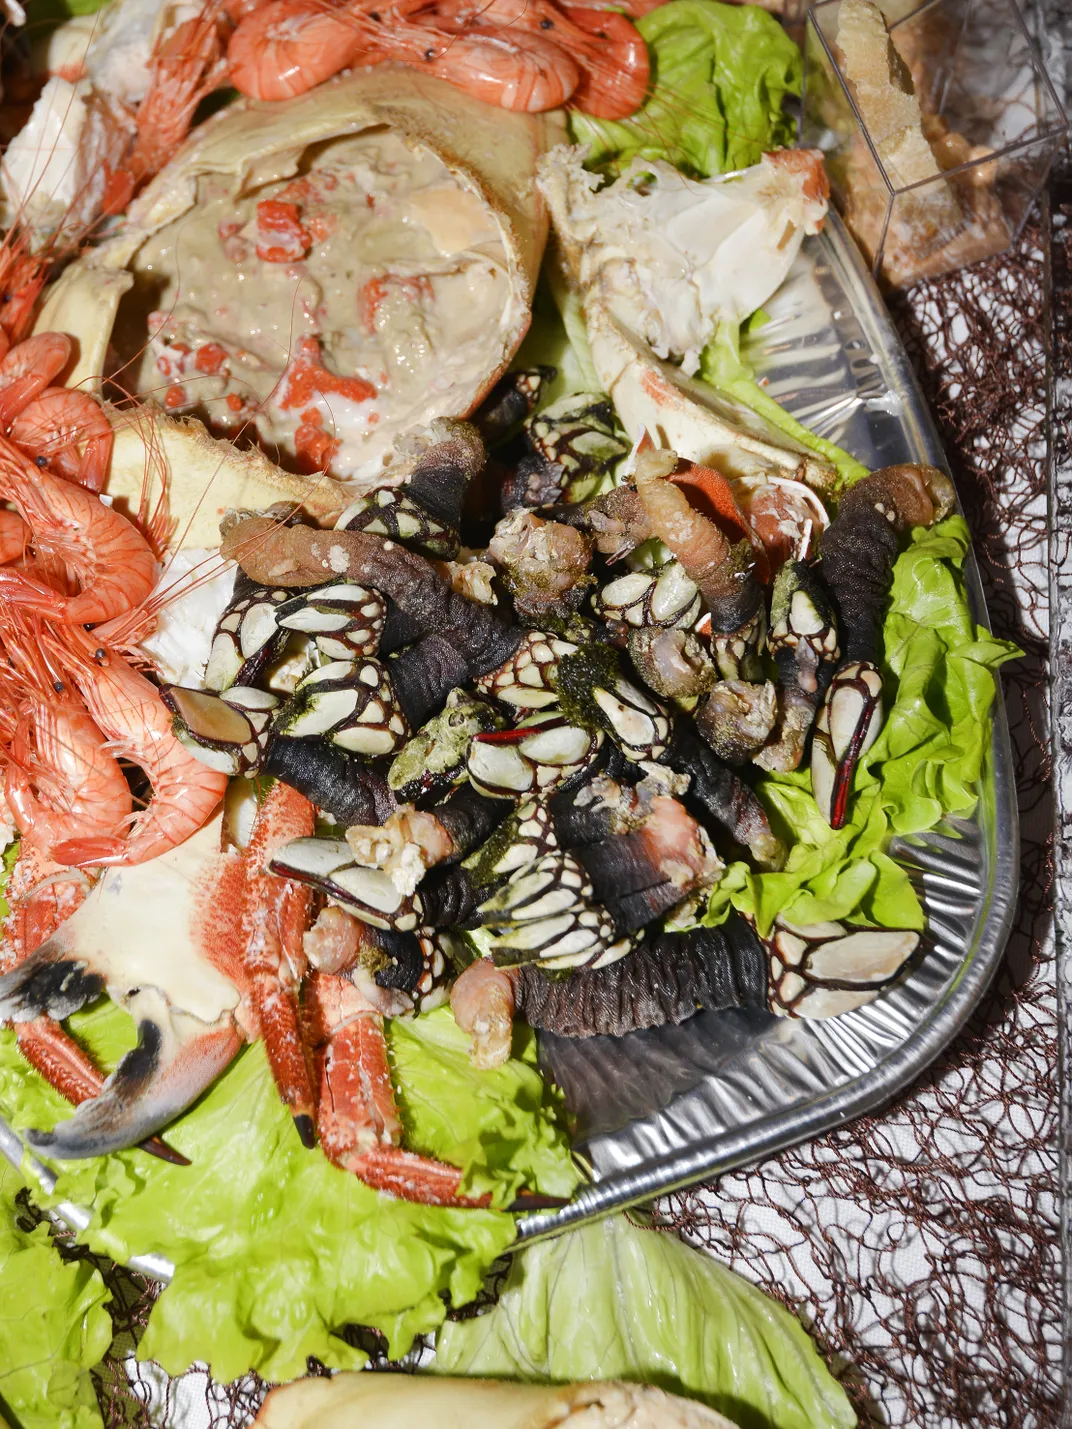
{"x": 476, "y": 565}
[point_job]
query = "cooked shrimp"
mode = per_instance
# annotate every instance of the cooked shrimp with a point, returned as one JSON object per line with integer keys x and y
{"x": 104, "y": 552}
{"x": 22, "y": 276}
{"x": 62, "y": 781}
{"x": 609, "y": 49}
{"x": 14, "y": 537}
{"x": 67, "y": 430}
{"x": 528, "y": 74}
{"x": 288, "y": 46}
{"x": 28, "y": 369}
{"x": 616, "y": 71}
{"x": 129, "y": 711}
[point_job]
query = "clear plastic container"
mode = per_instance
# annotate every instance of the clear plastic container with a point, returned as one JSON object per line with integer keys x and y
{"x": 990, "y": 118}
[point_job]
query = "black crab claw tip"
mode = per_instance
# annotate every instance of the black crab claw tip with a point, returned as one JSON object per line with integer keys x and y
{"x": 163, "y": 1152}
{"x": 47, "y": 985}
{"x": 303, "y": 1124}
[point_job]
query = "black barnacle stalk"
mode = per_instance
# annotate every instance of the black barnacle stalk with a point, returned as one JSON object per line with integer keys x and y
{"x": 546, "y": 913}
{"x": 642, "y": 850}
{"x": 803, "y": 638}
{"x": 469, "y": 819}
{"x": 345, "y": 786}
{"x": 425, "y": 508}
{"x": 858, "y": 552}
{"x": 723, "y": 795}
{"x": 510, "y": 401}
{"x": 667, "y": 979}
{"x": 824, "y": 969}
{"x": 573, "y": 445}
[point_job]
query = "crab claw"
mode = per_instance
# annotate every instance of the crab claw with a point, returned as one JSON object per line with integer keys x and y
{"x": 175, "y": 1060}
{"x": 847, "y": 726}
{"x": 63, "y": 1064}
{"x": 823, "y": 969}
{"x": 182, "y": 1002}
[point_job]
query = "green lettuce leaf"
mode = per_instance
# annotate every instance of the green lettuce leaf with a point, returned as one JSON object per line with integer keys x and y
{"x": 722, "y": 365}
{"x": 938, "y": 676}
{"x": 719, "y": 76}
{"x": 53, "y": 1325}
{"x": 613, "y": 1301}
{"x": 275, "y": 1249}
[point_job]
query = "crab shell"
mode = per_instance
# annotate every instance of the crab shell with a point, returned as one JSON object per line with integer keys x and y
{"x": 490, "y": 151}
{"x": 696, "y": 420}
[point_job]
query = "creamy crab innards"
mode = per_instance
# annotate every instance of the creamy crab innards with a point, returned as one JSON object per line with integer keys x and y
{"x": 327, "y": 309}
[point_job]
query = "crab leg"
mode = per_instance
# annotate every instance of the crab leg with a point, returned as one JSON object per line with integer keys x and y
{"x": 275, "y": 919}
{"x": 358, "y": 1118}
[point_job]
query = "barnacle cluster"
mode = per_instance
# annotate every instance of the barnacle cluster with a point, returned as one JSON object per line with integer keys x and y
{"x": 550, "y": 775}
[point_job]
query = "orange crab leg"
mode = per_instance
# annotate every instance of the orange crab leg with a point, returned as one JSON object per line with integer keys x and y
{"x": 275, "y": 919}
{"x": 358, "y": 1119}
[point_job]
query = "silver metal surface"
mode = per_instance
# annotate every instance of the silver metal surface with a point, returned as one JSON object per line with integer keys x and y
{"x": 658, "y": 1110}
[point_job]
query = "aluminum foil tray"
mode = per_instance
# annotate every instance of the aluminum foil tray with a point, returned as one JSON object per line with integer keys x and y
{"x": 658, "y": 1110}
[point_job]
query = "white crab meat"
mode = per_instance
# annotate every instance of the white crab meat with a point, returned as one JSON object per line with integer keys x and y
{"x": 54, "y": 172}
{"x": 198, "y": 584}
{"x": 675, "y": 256}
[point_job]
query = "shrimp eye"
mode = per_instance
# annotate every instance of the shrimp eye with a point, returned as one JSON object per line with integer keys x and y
{"x": 547, "y": 24}
{"x": 375, "y": 15}
{"x": 100, "y": 654}
{"x": 41, "y": 461}
{"x": 57, "y": 685}
{"x": 429, "y": 54}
